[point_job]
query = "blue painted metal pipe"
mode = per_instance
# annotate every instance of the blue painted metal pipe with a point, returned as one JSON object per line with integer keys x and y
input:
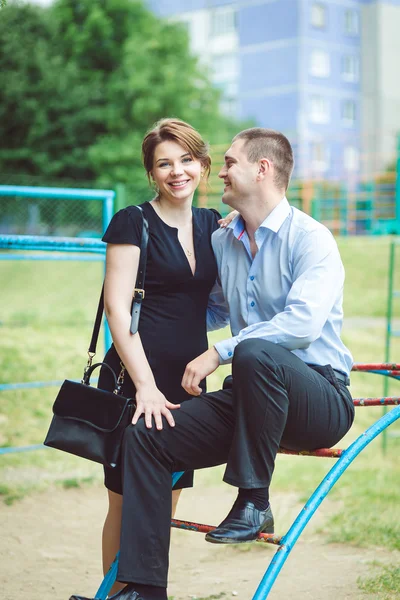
{"x": 108, "y": 209}
{"x": 22, "y": 449}
{"x": 384, "y": 372}
{"x": 64, "y": 244}
{"x": 28, "y": 385}
{"x": 55, "y": 192}
{"x": 37, "y": 384}
{"x": 76, "y": 257}
{"x": 289, "y": 540}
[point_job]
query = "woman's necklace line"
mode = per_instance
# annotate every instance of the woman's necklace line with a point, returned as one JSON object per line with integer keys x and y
{"x": 188, "y": 252}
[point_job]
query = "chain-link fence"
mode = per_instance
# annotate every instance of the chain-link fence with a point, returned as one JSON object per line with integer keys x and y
{"x": 56, "y": 216}
{"x": 44, "y": 216}
{"x": 345, "y": 207}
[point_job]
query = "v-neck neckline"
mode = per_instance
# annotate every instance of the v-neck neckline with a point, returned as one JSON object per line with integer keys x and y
{"x": 196, "y": 232}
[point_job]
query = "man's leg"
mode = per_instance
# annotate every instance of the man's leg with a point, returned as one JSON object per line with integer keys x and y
{"x": 201, "y": 438}
{"x": 278, "y": 400}
{"x": 302, "y": 410}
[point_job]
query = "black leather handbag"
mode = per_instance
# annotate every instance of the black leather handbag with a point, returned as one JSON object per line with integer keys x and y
{"x": 87, "y": 421}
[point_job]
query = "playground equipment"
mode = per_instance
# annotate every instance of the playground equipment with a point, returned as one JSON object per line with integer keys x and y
{"x": 22, "y": 212}
{"x": 286, "y": 542}
{"x": 54, "y": 248}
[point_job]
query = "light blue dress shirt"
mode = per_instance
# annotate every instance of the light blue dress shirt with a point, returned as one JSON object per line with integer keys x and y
{"x": 290, "y": 294}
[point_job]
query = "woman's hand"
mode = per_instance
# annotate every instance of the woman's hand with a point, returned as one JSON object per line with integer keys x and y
{"x": 152, "y": 403}
{"x": 228, "y": 219}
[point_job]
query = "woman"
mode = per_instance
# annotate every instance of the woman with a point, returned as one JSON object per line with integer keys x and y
{"x": 181, "y": 272}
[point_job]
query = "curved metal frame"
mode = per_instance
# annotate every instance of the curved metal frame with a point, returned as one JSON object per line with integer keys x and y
{"x": 289, "y": 540}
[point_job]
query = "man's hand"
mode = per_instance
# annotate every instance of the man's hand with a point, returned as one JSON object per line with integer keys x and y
{"x": 199, "y": 368}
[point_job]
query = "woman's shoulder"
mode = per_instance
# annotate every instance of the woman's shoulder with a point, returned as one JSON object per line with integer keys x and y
{"x": 125, "y": 226}
{"x": 133, "y": 210}
{"x": 209, "y": 216}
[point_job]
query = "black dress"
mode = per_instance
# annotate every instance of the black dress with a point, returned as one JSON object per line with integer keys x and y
{"x": 172, "y": 322}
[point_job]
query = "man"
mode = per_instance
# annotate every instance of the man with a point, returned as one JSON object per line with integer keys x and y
{"x": 282, "y": 279}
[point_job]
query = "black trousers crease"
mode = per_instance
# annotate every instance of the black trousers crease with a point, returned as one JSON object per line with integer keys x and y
{"x": 275, "y": 400}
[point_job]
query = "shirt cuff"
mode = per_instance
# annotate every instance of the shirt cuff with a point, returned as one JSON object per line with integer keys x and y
{"x": 225, "y": 350}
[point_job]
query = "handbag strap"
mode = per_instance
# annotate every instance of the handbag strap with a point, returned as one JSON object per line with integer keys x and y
{"x": 138, "y": 294}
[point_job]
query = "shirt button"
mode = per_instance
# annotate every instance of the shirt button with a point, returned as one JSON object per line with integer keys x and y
{"x": 252, "y": 303}
{"x": 229, "y": 353}
{"x": 252, "y": 278}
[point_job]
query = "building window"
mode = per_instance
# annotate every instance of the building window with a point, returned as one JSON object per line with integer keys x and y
{"x": 350, "y": 68}
{"x": 319, "y": 157}
{"x": 351, "y": 158}
{"x": 351, "y": 22}
{"x": 319, "y": 110}
{"x": 320, "y": 64}
{"x": 318, "y": 15}
{"x": 223, "y": 21}
{"x": 225, "y": 67}
{"x": 349, "y": 112}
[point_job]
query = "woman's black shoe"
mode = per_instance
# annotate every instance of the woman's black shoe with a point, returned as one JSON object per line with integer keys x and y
{"x": 243, "y": 524}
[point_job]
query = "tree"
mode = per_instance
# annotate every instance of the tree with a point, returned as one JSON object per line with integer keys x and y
{"x": 87, "y": 82}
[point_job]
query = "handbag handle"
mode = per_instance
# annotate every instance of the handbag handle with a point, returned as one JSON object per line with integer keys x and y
{"x": 88, "y": 372}
{"x": 138, "y": 293}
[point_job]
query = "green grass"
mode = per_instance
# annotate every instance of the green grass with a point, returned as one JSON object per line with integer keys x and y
{"x": 366, "y": 262}
{"x": 47, "y": 314}
{"x": 212, "y": 597}
{"x": 384, "y": 586}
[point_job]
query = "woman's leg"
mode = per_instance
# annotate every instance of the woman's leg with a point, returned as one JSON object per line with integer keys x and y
{"x": 175, "y": 498}
{"x": 111, "y": 535}
{"x": 112, "y": 531}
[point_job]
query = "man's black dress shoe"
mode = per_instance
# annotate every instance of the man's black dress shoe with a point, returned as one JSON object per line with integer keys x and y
{"x": 243, "y": 524}
{"x": 128, "y": 593}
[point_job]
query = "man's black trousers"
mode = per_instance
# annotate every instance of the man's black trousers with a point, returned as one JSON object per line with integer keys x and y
{"x": 276, "y": 400}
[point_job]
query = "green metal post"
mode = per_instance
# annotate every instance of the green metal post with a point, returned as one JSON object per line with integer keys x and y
{"x": 397, "y": 193}
{"x": 388, "y": 332}
{"x": 367, "y": 204}
{"x": 343, "y": 212}
{"x": 121, "y": 200}
{"x": 316, "y": 203}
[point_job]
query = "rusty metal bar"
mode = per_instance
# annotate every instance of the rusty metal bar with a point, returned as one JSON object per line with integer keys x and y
{"x": 269, "y": 538}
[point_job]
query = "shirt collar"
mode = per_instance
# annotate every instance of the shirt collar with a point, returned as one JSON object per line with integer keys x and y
{"x": 276, "y": 218}
{"x": 274, "y": 221}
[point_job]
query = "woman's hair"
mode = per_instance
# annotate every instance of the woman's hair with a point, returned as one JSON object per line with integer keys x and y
{"x": 178, "y": 131}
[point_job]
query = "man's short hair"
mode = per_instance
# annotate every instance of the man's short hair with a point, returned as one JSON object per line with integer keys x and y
{"x": 267, "y": 143}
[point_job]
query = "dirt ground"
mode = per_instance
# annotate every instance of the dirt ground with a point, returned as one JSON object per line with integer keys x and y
{"x": 50, "y": 548}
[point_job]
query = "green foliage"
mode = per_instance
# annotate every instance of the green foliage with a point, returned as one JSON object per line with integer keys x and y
{"x": 87, "y": 82}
